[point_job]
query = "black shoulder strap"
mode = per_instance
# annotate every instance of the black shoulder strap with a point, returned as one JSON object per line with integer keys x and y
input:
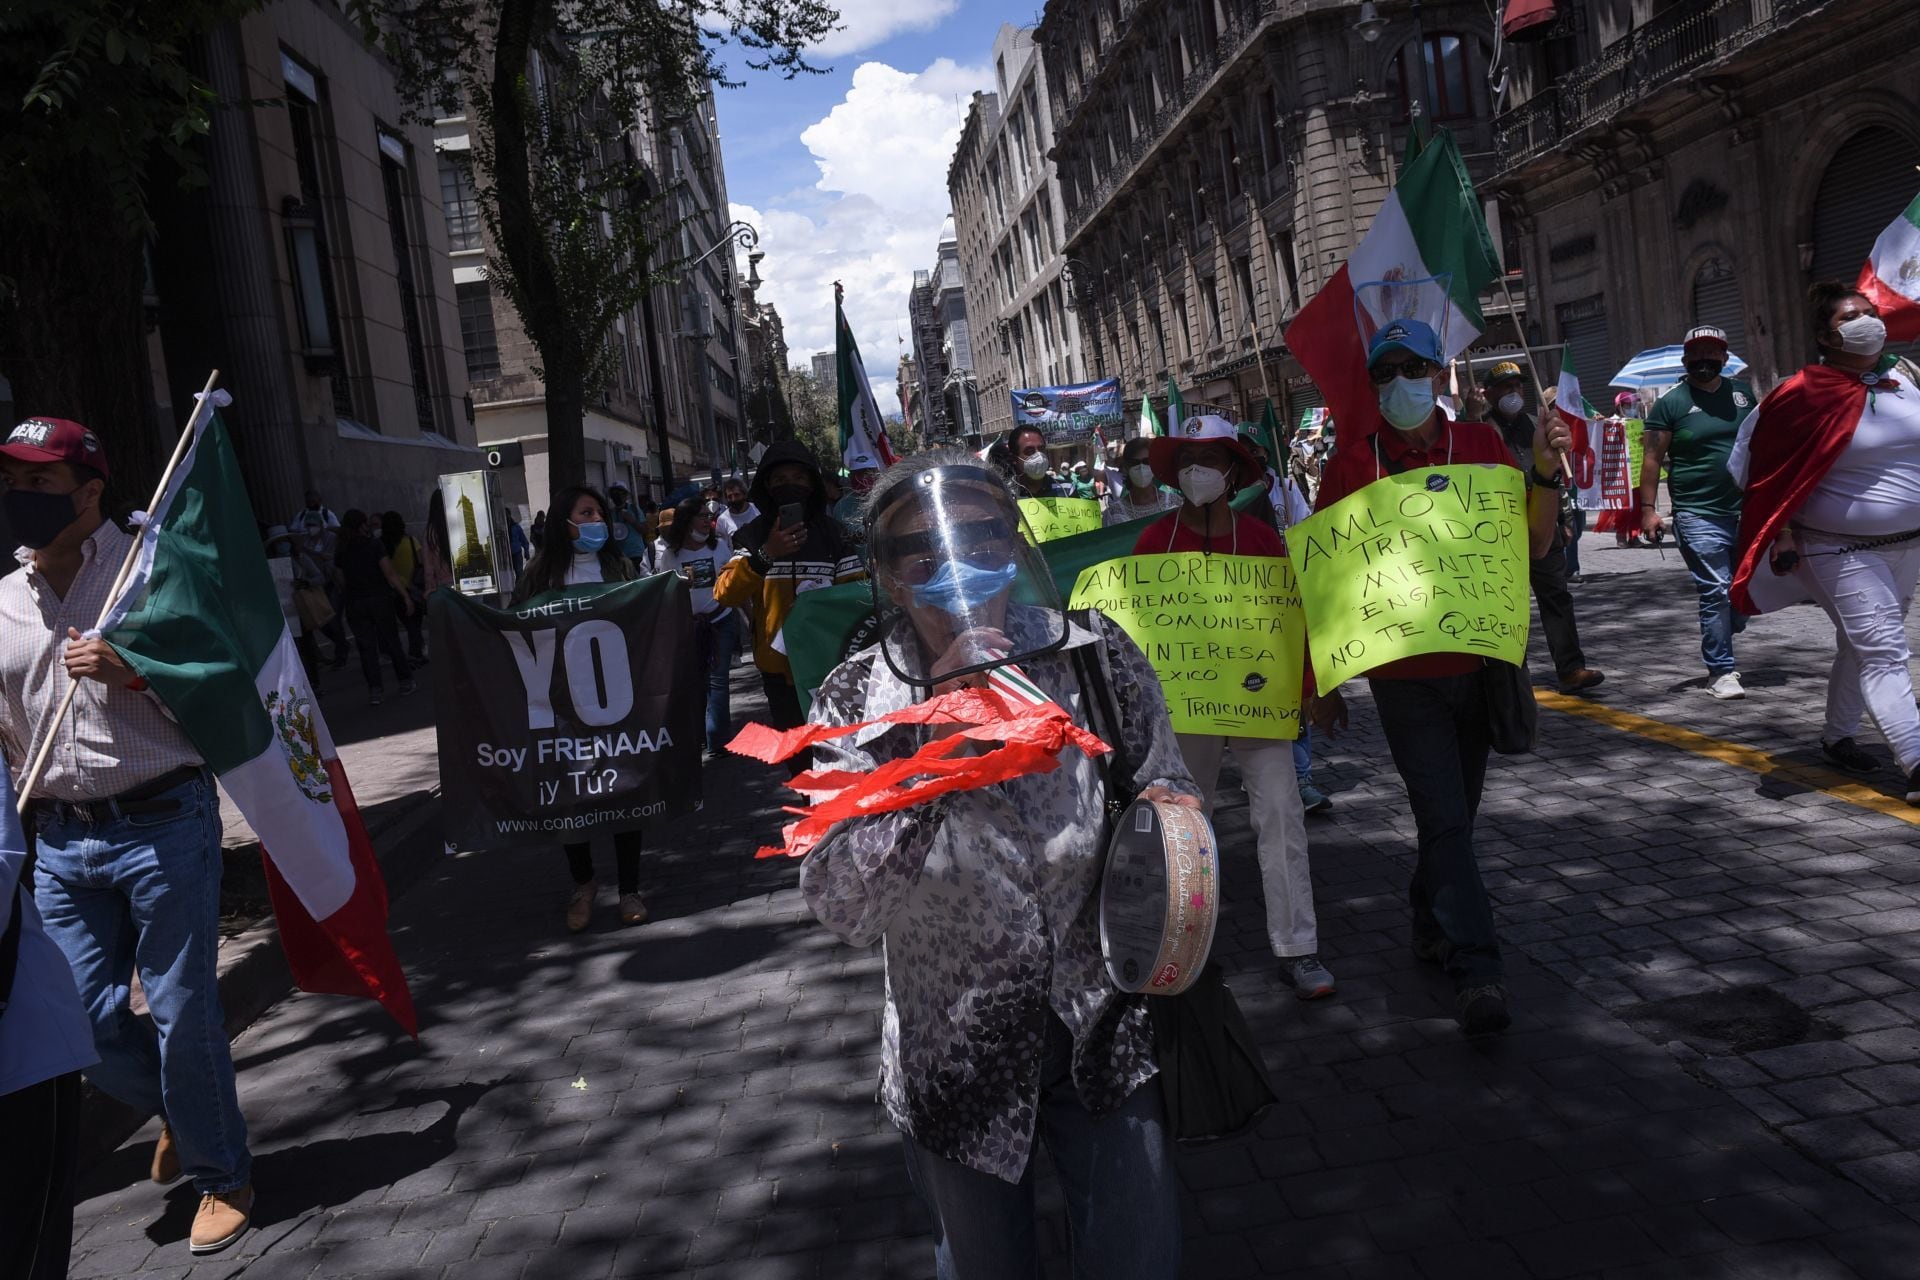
{"x": 1103, "y": 711}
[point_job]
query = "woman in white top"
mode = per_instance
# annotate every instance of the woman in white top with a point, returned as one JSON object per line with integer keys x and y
{"x": 693, "y": 548}
{"x": 1139, "y": 495}
{"x": 577, "y": 550}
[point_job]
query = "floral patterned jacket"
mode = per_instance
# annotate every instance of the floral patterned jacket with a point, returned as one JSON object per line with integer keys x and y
{"x": 988, "y": 904}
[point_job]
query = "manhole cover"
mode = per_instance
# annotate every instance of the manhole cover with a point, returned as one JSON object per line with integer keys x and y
{"x": 1734, "y": 1020}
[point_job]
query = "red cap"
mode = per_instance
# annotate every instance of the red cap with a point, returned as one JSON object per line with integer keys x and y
{"x": 55, "y": 440}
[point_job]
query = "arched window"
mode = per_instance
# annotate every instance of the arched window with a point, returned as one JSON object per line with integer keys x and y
{"x": 1451, "y": 93}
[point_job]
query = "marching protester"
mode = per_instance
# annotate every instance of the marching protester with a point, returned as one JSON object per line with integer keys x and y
{"x": 579, "y": 549}
{"x": 692, "y": 548}
{"x": 1692, "y": 430}
{"x": 45, "y": 1043}
{"x": 317, "y": 530}
{"x": 1625, "y": 525}
{"x": 739, "y": 511}
{"x": 1433, "y": 708}
{"x": 794, "y": 545}
{"x": 1003, "y": 1029}
{"x": 628, "y": 530}
{"x": 298, "y": 580}
{"x": 1143, "y": 496}
{"x": 1831, "y": 468}
{"x": 517, "y": 545}
{"x": 1031, "y": 474}
{"x": 536, "y": 535}
{"x": 410, "y": 564}
{"x": 370, "y": 589}
{"x": 1209, "y": 464}
{"x": 1504, "y": 387}
{"x": 127, "y": 825}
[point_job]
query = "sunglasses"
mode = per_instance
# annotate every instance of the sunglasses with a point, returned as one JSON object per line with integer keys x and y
{"x": 1386, "y": 371}
{"x": 985, "y": 544}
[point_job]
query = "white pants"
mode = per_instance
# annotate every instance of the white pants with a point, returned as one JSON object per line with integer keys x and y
{"x": 1279, "y": 829}
{"x": 1867, "y": 593}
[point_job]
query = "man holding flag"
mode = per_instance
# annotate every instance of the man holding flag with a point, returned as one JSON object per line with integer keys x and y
{"x": 128, "y": 825}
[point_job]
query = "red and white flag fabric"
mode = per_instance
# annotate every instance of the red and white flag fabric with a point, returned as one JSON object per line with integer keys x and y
{"x": 1599, "y": 449}
{"x": 200, "y": 621}
{"x": 1891, "y": 278}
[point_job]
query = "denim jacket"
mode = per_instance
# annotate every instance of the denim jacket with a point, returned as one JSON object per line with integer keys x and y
{"x": 987, "y": 903}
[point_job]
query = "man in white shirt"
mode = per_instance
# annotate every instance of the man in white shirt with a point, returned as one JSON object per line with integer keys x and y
{"x": 737, "y": 512}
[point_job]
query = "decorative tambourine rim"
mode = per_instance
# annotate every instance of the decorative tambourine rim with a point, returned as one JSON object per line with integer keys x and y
{"x": 1181, "y": 955}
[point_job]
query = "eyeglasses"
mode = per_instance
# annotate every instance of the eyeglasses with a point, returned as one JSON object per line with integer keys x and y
{"x": 919, "y": 570}
{"x": 1387, "y": 370}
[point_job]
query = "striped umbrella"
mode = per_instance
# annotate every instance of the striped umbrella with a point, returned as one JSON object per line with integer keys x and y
{"x": 1665, "y": 366}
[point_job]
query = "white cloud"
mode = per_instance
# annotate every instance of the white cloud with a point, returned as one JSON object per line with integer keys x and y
{"x": 866, "y": 23}
{"x": 874, "y": 216}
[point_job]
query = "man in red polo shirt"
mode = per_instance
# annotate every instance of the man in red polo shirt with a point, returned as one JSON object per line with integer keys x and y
{"x": 1433, "y": 708}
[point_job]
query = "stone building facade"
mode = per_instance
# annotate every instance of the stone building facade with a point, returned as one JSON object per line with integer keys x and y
{"x": 1702, "y": 162}
{"x": 311, "y": 272}
{"x": 1217, "y": 162}
{"x": 929, "y": 359}
{"x": 1008, "y": 222}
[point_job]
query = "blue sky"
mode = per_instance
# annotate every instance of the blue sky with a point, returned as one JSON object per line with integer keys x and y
{"x": 844, "y": 173}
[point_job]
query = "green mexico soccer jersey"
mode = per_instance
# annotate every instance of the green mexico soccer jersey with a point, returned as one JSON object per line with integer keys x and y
{"x": 1701, "y": 427}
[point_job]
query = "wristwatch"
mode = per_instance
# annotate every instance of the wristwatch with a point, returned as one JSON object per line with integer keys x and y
{"x": 1555, "y": 481}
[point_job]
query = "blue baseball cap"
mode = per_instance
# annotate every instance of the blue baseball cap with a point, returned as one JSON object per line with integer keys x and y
{"x": 1411, "y": 336}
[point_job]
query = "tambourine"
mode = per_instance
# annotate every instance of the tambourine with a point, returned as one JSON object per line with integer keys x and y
{"x": 1159, "y": 898}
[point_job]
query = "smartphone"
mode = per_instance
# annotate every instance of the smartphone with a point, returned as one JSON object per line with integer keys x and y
{"x": 791, "y": 514}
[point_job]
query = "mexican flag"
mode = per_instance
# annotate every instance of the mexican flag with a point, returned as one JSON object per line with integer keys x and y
{"x": 1599, "y": 449}
{"x": 1891, "y": 278}
{"x": 200, "y": 621}
{"x": 1176, "y": 406}
{"x": 1149, "y": 425}
{"x": 863, "y": 433}
{"x": 1430, "y": 226}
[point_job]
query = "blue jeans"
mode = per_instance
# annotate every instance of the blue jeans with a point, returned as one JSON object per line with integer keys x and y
{"x": 1123, "y": 1211}
{"x": 718, "y": 641}
{"x": 1706, "y": 543}
{"x": 143, "y": 892}
{"x": 1438, "y": 733}
{"x": 1303, "y": 754}
{"x": 1576, "y": 525}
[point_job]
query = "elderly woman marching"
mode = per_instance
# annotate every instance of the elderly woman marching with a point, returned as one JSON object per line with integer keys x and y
{"x": 1001, "y": 1027}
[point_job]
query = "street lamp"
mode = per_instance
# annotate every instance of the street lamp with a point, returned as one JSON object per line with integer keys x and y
{"x": 1372, "y": 26}
{"x": 740, "y": 233}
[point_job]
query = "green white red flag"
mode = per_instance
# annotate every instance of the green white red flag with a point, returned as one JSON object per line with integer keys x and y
{"x": 1598, "y": 451}
{"x": 1149, "y": 426}
{"x": 1176, "y": 407}
{"x": 863, "y": 432}
{"x": 1891, "y": 277}
{"x": 200, "y": 621}
{"x": 1429, "y": 228}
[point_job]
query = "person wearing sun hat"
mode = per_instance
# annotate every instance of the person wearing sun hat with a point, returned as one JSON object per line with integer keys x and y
{"x": 1206, "y": 460}
{"x": 1692, "y": 429}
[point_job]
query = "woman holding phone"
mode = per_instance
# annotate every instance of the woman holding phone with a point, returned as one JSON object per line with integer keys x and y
{"x": 693, "y": 548}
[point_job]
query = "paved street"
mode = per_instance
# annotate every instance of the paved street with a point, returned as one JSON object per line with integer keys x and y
{"x": 1714, "y": 1069}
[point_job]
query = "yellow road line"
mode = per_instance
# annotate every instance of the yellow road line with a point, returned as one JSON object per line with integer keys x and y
{"x": 1752, "y": 759}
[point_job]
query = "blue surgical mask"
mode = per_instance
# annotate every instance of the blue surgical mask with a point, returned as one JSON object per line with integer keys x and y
{"x": 957, "y": 588}
{"x": 1407, "y": 403}
{"x": 592, "y": 536}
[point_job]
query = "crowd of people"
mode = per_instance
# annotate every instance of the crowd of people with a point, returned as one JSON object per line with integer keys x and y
{"x": 1002, "y": 1028}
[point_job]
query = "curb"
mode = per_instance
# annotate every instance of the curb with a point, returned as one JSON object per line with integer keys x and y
{"x": 253, "y": 969}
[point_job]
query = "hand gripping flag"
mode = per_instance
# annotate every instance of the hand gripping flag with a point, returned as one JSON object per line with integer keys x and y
{"x": 1030, "y": 727}
{"x": 201, "y": 622}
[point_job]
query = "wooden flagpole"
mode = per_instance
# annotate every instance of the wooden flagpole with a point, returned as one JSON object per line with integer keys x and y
{"x": 1533, "y": 368}
{"x": 202, "y": 405}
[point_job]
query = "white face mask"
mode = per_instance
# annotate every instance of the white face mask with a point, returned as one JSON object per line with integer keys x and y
{"x": 1202, "y": 485}
{"x": 1140, "y": 474}
{"x": 1035, "y": 465}
{"x": 1407, "y": 403}
{"x": 1863, "y": 336}
{"x": 1512, "y": 403}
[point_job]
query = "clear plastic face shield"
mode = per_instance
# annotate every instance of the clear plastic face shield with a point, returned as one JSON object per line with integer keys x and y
{"x": 1377, "y": 303}
{"x": 958, "y": 586}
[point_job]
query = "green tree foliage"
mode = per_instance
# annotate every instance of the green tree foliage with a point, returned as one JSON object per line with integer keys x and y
{"x": 579, "y": 229}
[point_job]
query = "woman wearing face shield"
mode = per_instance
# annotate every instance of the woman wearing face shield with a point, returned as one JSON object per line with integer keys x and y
{"x": 1830, "y": 464}
{"x": 1001, "y": 1028}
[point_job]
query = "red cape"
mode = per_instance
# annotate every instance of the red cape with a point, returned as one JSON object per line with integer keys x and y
{"x": 1805, "y": 424}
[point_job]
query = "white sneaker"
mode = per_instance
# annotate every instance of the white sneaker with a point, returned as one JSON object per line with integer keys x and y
{"x": 1727, "y": 687}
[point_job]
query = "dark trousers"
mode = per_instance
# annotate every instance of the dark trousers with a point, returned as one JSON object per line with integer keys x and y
{"x": 376, "y": 630}
{"x": 783, "y": 712}
{"x": 416, "y": 625}
{"x": 42, "y": 1124}
{"x": 1549, "y": 577}
{"x": 1438, "y": 733}
{"x": 626, "y": 861}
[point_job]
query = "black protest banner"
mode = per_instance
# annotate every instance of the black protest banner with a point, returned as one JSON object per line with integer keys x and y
{"x": 579, "y": 712}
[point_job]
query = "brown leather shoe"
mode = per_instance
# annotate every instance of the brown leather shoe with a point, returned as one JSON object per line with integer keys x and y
{"x": 222, "y": 1219}
{"x": 1582, "y": 680}
{"x": 633, "y": 909}
{"x": 166, "y": 1158}
{"x": 580, "y": 906}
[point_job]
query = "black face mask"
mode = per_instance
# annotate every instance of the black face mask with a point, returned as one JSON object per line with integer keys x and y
{"x": 1704, "y": 370}
{"x": 784, "y": 495}
{"x": 38, "y": 518}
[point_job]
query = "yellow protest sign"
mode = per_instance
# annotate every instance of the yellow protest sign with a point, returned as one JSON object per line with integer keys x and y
{"x": 1223, "y": 632}
{"x": 1051, "y": 518}
{"x": 1427, "y": 561}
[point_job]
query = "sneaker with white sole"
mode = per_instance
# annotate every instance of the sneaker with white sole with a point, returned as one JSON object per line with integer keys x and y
{"x": 1310, "y": 978}
{"x": 1727, "y": 687}
{"x": 1313, "y": 799}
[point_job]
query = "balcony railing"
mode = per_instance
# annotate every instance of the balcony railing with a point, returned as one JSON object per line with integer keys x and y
{"x": 1637, "y": 66}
